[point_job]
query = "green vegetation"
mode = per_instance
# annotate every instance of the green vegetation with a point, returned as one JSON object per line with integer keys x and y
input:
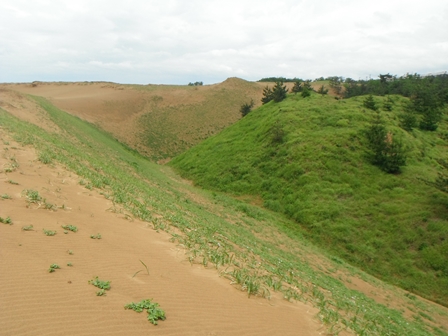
{"x": 6, "y": 220}
{"x": 53, "y": 268}
{"x": 318, "y": 172}
{"x": 152, "y": 308}
{"x": 11, "y": 166}
{"x": 5, "y": 196}
{"x": 28, "y": 228}
{"x": 277, "y": 93}
{"x": 147, "y": 270}
{"x": 33, "y": 197}
{"x": 70, "y": 228}
{"x": 97, "y": 236}
{"x": 266, "y": 251}
{"x": 102, "y": 285}
{"x": 49, "y": 232}
{"x": 279, "y": 79}
{"x": 246, "y": 108}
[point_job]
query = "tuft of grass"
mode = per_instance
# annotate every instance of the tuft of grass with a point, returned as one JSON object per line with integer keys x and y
{"x": 97, "y": 236}
{"x": 69, "y": 264}
{"x": 13, "y": 182}
{"x": 49, "y": 232}
{"x": 147, "y": 270}
{"x": 53, "y": 268}
{"x": 153, "y": 309}
{"x": 5, "y": 196}
{"x": 6, "y": 220}
{"x": 28, "y": 228}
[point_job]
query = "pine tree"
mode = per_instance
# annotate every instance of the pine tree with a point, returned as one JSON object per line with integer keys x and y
{"x": 267, "y": 95}
{"x": 387, "y": 152}
{"x": 279, "y": 92}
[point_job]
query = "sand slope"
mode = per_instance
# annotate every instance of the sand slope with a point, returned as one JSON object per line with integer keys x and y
{"x": 35, "y": 302}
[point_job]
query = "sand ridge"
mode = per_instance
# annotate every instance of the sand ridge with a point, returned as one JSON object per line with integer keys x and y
{"x": 35, "y": 302}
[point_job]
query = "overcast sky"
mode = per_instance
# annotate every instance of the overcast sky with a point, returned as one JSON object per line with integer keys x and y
{"x": 176, "y": 42}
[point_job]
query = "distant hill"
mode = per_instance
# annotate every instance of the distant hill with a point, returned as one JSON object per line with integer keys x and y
{"x": 307, "y": 158}
{"x": 159, "y": 121}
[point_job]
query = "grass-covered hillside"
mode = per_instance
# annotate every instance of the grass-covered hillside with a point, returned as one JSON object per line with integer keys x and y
{"x": 308, "y": 158}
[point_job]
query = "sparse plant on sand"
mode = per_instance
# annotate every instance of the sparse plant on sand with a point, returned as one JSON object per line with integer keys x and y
{"x": 6, "y": 220}
{"x": 102, "y": 285}
{"x": 49, "y": 232}
{"x": 13, "y": 182}
{"x": 5, "y": 196}
{"x": 69, "y": 264}
{"x": 32, "y": 196}
{"x": 147, "y": 270}
{"x": 70, "y": 252}
{"x": 53, "y": 267}
{"x": 27, "y": 228}
{"x": 70, "y": 228}
{"x": 97, "y": 236}
{"x": 154, "y": 312}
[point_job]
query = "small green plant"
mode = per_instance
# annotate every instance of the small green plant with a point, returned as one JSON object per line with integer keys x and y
{"x": 97, "y": 236}
{"x": 49, "y": 232}
{"x": 70, "y": 228}
{"x": 101, "y": 292}
{"x": 13, "y": 182}
{"x": 147, "y": 270}
{"x": 45, "y": 157}
{"x": 102, "y": 285}
{"x": 152, "y": 308}
{"x": 27, "y": 228}
{"x": 33, "y": 196}
{"x": 5, "y": 196}
{"x": 6, "y": 220}
{"x": 53, "y": 267}
{"x": 69, "y": 264}
{"x": 70, "y": 252}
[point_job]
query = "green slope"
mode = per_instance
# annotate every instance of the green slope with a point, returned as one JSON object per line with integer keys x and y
{"x": 307, "y": 159}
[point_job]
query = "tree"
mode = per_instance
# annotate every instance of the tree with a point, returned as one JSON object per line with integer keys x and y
{"x": 306, "y": 92}
{"x": 387, "y": 152}
{"x": 246, "y": 108}
{"x": 279, "y": 92}
{"x": 336, "y": 84}
{"x": 369, "y": 103}
{"x": 388, "y": 104}
{"x": 297, "y": 86}
{"x": 426, "y": 103}
{"x": 322, "y": 90}
{"x": 267, "y": 95}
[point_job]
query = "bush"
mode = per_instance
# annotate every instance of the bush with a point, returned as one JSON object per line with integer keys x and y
{"x": 387, "y": 152}
{"x": 246, "y": 108}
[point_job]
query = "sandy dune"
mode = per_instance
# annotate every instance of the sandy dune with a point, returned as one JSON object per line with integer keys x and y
{"x": 35, "y": 302}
